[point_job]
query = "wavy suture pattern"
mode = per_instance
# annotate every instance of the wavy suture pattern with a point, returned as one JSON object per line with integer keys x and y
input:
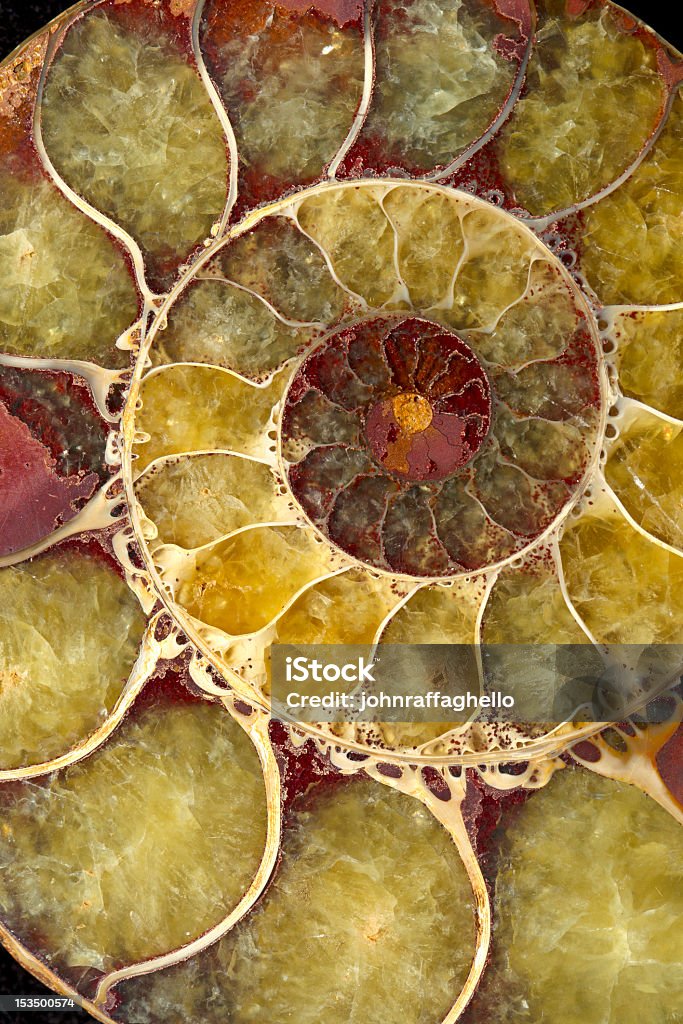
{"x": 113, "y": 841}
{"x": 240, "y": 584}
{"x": 263, "y": 968}
{"x": 408, "y": 406}
{"x": 264, "y": 380}
{"x": 527, "y": 607}
{"x": 219, "y": 494}
{"x": 291, "y": 80}
{"x": 237, "y": 331}
{"x": 437, "y": 435}
{"x": 136, "y": 134}
{"x": 235, "y": 416}
{"x": 558, "y": 148}
{"x": 286, "y": 269}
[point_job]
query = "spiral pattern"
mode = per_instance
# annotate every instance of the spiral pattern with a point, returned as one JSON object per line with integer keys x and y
{"x": 341, "y": 322}
{"x": 403, "y": 434}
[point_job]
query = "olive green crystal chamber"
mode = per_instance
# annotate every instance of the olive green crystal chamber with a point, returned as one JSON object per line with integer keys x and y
{"x": 339, "y": 322}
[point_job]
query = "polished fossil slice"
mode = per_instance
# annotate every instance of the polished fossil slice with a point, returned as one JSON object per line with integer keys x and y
{"x": 369, "y": 919}
{"x": 589, "y": 908}
{"x": 64, "y": 664}
{"x": 142, "y": 847}
{"x": 116, "y": 128}
{"x": 304, "y": 339}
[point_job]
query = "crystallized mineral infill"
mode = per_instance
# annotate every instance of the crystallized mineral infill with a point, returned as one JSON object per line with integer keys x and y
{"x": 369, "y": 921}
{"x": 63, "y": 664}
{"x": 589, "y": 908}
{"x": 140, "y": 848}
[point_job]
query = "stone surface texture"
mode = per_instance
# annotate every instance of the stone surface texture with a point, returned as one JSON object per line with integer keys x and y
{"x": 369, "y": 919}
{"x": 65, "y": 301}
{"x": 63, "y": 663}
{"x": 439, "y": 81}
{"x": 589, "y": 907}
{"x": 136, "y": 134}
{"x": 632, "y": 237}
{"x": 142, "y": 847}
{"x": 507, "y": 430}
{"x": 291, "y": 81}
{"x": 593, "y": 97}
{"x": 342, "y": 322}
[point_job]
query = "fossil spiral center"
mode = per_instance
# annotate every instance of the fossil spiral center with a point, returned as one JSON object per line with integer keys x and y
{"x": 438, "y": 424}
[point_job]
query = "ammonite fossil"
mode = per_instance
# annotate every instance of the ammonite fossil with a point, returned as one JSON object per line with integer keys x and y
{"x": 339, "y": 323}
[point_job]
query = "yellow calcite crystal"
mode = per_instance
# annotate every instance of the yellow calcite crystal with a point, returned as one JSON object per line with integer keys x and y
{"x": 512, "y": 499}
{"x": 369, "y": 920}
{"x": 58, "y": 300}
{"x": 467, "y": 265}
{"x": 528, "y": 607}
{"x": 437, "y": 614}
{"x": 645, "y": 469}
{"x": 240, "y": 584}
{"x": 544, "y": 449}
{"x": 440, "y": 83}
{"x": 469, "y": 533}
{"x": 527, "y": 613}
{"x": 396, "y": 486}
{"x": 495, "y": 271}
{"x": 217, "y": 323}
{"x": 198, "y": 499}
{"x": 140, "y": 848}
{"x": 352, "y": 228}
{"x": 589, "y": 908}
{"x": 346, "y": 609}
{"x": 650, "y": 358}
{"x": 276, "y": 261}
{"x": 538, "y": 326}
{"x": 430, "y": 242}
{"x": 71, "y": 630}
{"x": 633, "y": 237}
{"x": 627, "y": 589}
{"x": 128, "y": 124}
{"x": 303, "y": 79}
{"x": 592, "y": 100}
{"x": 552, "y": 390}
{"x": 234, "y": 415}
